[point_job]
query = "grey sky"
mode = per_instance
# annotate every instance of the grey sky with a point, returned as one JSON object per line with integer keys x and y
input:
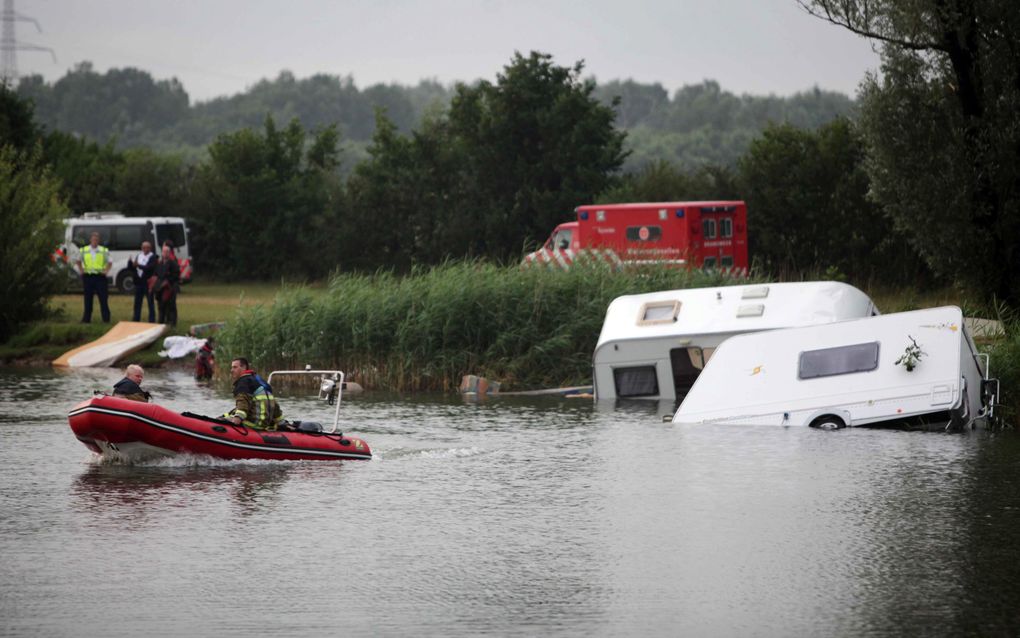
{"x": 220, "y": 47}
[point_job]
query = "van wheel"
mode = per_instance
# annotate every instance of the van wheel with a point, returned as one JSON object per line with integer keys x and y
{"x": 828, "y": 422}
{"x": 125, "y": 282}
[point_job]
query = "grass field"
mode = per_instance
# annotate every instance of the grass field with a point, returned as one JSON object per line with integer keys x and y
{"x": 198, "y": 303}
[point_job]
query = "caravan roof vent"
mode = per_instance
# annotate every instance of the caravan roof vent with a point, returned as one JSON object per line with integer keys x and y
{"x": 101, "y": 215}
{"x": 755, "y": 293}
{"x": 656, "y": 312}
{"x": 751, "y": 310}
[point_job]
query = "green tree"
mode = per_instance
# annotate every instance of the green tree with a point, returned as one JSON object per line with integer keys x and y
{"x": 17, "y": 121}
{"x": 806, "y": 193}
{"x": 30, "y": 221}
{"x": 265, "y": 207}
{"x": 504, "y": 165}
{"x": 941, "y": 128}
{"x": 150, "y": 184}
{"x": 88, "y": 171}
{"x": 664, "y": 181}
{"x": 538, "y": 144}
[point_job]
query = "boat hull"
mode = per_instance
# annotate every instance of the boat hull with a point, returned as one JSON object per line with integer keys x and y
{"x": 120, "y": 429}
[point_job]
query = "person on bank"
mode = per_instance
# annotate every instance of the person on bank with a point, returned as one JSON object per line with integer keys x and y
{"x": 143, "y": 267}
{"x": 130, "y": 387}
{"x": 254, "y": 404}
{"x": 166, "y": 284}
{"x": 93, "y": 263}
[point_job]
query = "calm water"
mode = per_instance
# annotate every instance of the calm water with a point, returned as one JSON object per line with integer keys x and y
{"x": 512, "y": 517}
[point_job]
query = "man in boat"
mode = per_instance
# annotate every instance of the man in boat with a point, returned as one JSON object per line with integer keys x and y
{"x": 254, "y": 404}
{"x": 130, "y": 387}
{"x": 93, "y": 263}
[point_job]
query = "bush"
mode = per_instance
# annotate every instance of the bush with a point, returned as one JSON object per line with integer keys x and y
{"x": 30, "y": 222}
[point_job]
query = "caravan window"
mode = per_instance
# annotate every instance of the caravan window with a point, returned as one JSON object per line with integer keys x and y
{"x": 639, "y": 381}
{"x": 828, "y": 362}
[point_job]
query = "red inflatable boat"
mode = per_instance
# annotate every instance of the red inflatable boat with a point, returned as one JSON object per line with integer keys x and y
{"x": 132, "y": 430}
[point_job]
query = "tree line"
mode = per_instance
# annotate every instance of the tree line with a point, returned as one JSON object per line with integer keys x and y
{"x": 920, "y": 187}
{"x": 697, "y": 125}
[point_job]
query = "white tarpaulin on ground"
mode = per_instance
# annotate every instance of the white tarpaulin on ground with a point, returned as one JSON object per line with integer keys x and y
{"x": 176, "y": 346}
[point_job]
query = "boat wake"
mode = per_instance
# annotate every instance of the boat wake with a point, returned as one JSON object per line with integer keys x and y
{"x": 402, "y": 454}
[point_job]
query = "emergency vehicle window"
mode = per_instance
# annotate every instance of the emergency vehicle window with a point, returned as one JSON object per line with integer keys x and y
{"x": 562, "y": 239}
{"x": 709, "y": 262}
{"x": 81, "y": 234}
{"x": 127, "y": 237}
{"x": 708, "y": 228}
{"x": 644, "y": 233}
{"x": 636, "y": 382}
{"x": 727, "y": 261}
{"x": 726, "y": 228}
{"x": 173, "y": 232}
{"x": 828, "y": 362}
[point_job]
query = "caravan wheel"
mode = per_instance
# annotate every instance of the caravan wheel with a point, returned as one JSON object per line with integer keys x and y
{"x": 828, "y": 422}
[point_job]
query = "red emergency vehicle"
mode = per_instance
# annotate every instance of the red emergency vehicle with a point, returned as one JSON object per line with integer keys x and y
{"x": 694, "y": 234}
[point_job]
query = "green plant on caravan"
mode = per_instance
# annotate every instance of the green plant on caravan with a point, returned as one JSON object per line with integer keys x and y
{"x": 30, "y": 222}
{"x": 423, "y": 331}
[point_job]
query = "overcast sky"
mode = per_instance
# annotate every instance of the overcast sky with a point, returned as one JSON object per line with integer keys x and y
{"x": 221, "y": 47}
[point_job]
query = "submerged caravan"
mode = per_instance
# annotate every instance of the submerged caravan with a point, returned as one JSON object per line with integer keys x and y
{"x": 655, "y": 345}
{"x": 915, "y": 369}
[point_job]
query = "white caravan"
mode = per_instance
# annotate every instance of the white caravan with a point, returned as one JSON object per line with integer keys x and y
{"x": 917, "y": 368}
{"x": 654, "y": 346}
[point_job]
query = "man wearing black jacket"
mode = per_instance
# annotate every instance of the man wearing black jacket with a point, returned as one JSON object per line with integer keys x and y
{"x": 130, "y": 387}
{"x": 143, "y": 266}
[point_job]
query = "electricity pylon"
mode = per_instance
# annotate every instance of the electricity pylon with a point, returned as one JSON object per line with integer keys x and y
{"x": 9, "y": 45}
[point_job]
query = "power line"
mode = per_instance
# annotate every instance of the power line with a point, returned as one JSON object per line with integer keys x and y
{"x": 9, "y": 45}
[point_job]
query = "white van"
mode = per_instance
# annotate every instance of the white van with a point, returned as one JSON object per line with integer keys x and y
{"x": 918, "y": 368}
{"x": 123, "y": 236}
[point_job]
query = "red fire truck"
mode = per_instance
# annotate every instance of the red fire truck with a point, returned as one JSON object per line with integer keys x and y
{"x": 694, "y": 234}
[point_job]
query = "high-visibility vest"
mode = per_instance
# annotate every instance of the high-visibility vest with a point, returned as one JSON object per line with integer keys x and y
{"x": 265, "y": 405}
{"x": 94, "y": 264}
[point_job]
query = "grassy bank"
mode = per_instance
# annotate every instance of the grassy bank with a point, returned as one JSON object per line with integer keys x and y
{"x": 527, "y": 328}
{"x": 43, "y": 341}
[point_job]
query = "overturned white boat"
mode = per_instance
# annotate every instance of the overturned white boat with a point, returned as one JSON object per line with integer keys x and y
{"x": 654, "y": 345}
{"x": 917, "y": 369}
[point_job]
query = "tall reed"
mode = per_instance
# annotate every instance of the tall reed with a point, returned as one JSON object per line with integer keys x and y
{"x": 423, "y": 331}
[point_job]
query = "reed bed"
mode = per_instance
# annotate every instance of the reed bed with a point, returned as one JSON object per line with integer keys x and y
{"x": 423, "y": 331}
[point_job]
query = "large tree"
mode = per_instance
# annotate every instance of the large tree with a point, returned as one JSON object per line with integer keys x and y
{"x": 538, "y": 144}
{"x": 266, "y": 204}
{"x": 505, "y": 164}
{"x": 942, "y": 129}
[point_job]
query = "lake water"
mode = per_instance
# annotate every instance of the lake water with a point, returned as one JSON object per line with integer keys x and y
{"x": 512, "y": 518}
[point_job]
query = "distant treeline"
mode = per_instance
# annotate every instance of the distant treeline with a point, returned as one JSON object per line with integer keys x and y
{"x": 698, "y": 125}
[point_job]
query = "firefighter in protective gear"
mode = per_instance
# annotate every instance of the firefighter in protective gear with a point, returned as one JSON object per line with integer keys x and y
{"x": 254, "y": 404}
{"x": 93, "y": 264}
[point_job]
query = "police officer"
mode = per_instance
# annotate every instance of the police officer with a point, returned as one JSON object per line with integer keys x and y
{"x": 93, "y": 264}
{"x": 254, "y": 404}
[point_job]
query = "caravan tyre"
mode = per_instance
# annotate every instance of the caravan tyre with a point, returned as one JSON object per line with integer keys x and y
{"x": 828, "y": 422}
